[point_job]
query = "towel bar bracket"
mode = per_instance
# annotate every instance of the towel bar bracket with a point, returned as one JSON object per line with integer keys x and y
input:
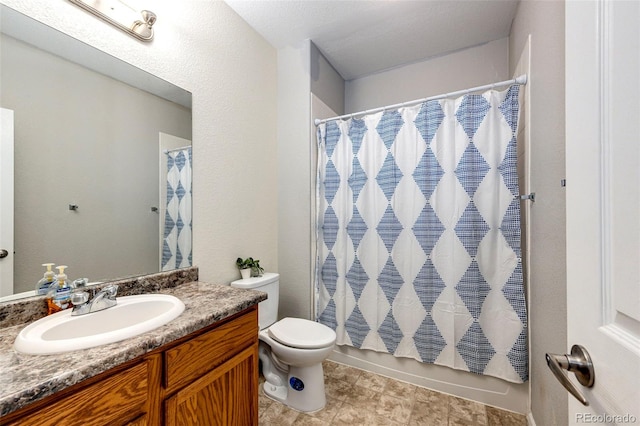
{"x": 531, "y": 197}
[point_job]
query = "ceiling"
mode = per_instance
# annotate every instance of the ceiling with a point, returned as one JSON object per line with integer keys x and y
{"x": 352, "y": 33}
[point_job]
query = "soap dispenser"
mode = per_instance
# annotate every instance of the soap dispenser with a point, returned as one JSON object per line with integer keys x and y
{"x": 59, "y": 296}
{"x": 45, "y": 283}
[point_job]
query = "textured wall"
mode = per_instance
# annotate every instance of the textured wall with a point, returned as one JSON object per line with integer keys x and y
{"x": 470, "y": 67}
{"x": 204, "y": 47}
{"x": 326, "y": 83}
{"x": 548, "y": 304}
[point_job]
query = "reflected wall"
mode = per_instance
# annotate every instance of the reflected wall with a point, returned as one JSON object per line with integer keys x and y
{"x": 86, "y": 139}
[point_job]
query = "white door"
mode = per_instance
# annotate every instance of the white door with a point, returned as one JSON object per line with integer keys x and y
{"x": 167, "y": 142}
{"x": 603, "y": 204}
{"x": 6, "y": 202}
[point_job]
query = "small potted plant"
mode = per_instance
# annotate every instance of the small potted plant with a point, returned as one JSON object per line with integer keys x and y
{"x": 245, "y": 267}
{"x": 256, "y": 269}
{"x": 249, "y": 267}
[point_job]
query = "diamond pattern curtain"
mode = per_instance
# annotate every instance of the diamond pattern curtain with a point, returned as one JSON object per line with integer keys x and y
{"x": 419, "y": 234}
{"x": 176, "y": 246}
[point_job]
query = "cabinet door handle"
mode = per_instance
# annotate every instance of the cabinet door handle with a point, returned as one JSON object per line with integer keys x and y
{"x": 579, "y": 363}
{"x": 3, "y": 253}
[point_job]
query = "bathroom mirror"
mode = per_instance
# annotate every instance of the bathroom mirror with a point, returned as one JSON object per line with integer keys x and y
{"x": 92, "y": 137}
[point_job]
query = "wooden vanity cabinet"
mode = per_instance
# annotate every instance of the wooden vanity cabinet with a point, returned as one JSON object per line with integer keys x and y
{"x": 209, "y": 377}
{"x": 119, "y": 397}
{"x": 212, "y": 379}
{"x": 223, "y": 396}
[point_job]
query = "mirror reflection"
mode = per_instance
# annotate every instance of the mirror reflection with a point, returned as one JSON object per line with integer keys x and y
{"x": 101, "y": 168}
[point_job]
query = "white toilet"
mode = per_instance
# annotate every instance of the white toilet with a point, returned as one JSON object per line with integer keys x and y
{"x": 291, "y": 350}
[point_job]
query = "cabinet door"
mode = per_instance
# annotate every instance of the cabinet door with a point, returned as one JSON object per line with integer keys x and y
{"x": 140, "y": 421}
{"x": 227, "y": 395}
{"x": 111, "y": 401}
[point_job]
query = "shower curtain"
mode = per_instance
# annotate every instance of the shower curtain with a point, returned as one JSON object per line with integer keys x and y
{"x": 176, "y": 243}
{"x": 418, "y": 214}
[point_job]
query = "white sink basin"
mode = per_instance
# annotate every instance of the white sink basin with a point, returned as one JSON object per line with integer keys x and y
{"x": 133, "y": 315}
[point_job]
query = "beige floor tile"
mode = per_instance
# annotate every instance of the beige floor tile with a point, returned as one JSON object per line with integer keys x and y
{"x": 372, "y": 381}
{"x": 428, "y": 395}
{"x": 394, "y": 409}
{"x": 464, "y": 410}
{"x": 305, "y": 420}
{"x": 337, "y": 389}
{"x": 358, "y": 397}
{"x": 434, "y": 413}
{"x": 328, "y": 366}
{"x": 263, "y": 401}
{"x": 497, "y": 417}
{"x": 329, "y": 411}
{"x": 350, "y": 415}
{"x": 383, "y": 421}
{"x": 363, "y": 398}
{"x": 399, "y": 389}
{"x": 459, "y": 421}
{"x": 278, "y": 414}
{"x": 341, "y": 372}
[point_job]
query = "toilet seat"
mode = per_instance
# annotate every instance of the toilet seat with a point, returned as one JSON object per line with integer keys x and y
{"x": 302, "y": 333}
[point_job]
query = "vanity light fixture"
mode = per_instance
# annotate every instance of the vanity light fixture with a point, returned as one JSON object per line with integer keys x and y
{"x": 136, "y": 23}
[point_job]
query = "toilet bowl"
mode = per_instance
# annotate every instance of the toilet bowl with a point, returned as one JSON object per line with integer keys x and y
{"x": 291, "y": 351}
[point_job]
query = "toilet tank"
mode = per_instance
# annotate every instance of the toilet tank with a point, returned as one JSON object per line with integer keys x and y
{"x": 268, "y": 283}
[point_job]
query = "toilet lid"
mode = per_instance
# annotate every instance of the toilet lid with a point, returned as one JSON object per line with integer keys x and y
{"x": 302, "y": 333}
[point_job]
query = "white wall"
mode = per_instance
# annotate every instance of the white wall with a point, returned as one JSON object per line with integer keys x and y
{"x": 475, "y": 66}
{"x": 326, "y": 83}
{"x": 231, "y": 72}
{"x": 294, "y": 181}
{"x": 544, "y": 21}
{"x": 302, "y": 70}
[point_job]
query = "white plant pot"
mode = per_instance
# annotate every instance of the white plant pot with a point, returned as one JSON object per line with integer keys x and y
{"x": 246, "y": 273}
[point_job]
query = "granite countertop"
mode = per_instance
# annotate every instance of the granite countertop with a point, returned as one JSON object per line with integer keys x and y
{"x": 28, "y": 378}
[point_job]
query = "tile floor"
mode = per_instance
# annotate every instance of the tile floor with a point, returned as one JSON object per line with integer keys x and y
{"x": 358, "y": 397}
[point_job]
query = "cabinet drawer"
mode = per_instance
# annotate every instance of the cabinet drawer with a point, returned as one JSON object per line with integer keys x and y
{"x": 111, "y": 401}
{"x": 196, "y": 357}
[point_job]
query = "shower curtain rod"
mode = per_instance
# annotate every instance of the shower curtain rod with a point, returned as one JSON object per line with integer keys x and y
{"x": 518, "y": 80}
{"x": 166, "y": 151}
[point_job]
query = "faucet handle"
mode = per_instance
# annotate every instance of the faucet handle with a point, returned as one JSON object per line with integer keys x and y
{"x": 79, "y": 298}
{"x": 80, "y": 282}
{"x": 110, "y": 291}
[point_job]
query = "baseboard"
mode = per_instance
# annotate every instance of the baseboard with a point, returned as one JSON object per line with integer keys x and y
{"x": 530, "y": 420}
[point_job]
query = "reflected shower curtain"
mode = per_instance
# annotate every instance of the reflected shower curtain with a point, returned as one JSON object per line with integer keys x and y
{"x": 419, "y": 234}
{"x": 176, "y": 245}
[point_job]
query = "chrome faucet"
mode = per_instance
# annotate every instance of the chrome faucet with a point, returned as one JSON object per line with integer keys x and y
{"x": 105, "y": 298}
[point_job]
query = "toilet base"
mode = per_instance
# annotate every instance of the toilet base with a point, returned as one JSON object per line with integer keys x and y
{"x": 304, "y": 390}
{"x": 277, "y": 393}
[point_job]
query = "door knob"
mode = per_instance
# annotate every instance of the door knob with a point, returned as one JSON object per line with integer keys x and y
{"x": 579, "y": 363}
{"x": 3, "y": 253}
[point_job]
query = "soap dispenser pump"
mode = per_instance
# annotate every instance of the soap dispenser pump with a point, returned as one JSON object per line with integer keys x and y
{"x": 59, "y": 297}
{"x": 45, "y": 283}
